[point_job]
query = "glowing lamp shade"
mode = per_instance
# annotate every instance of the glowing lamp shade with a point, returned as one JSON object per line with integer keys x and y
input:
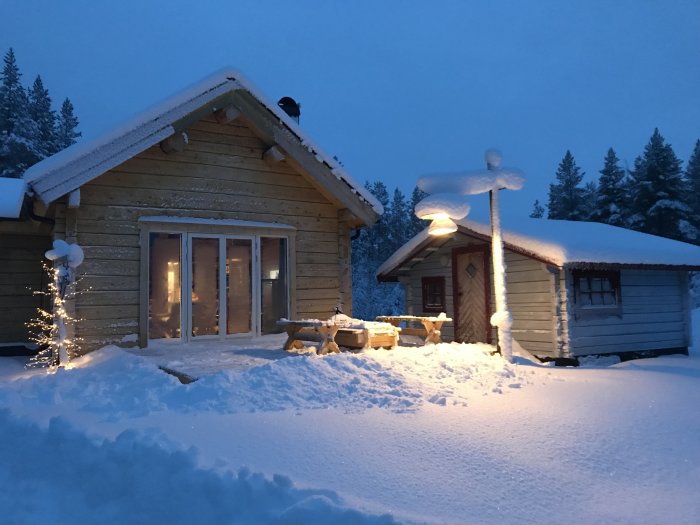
{"x": 441, "y": 209}
{"x": 442, "y": 226}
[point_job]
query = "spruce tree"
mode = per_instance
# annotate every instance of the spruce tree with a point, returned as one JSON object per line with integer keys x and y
{"x": 692, "y": 174}
{"x": 416, "y": 225}
{"x": 537, "y": 210}
{"x": 371, "y": 248}
{"x": 611, "y": 204}
{"x": 566, "y": 197}
{"x": 18, "y": 132}
{"x": 66, "y": 126}
{"x": 400, "y": 215}
{"x": 590, "y": 199}
{"x": 659, "y": 196}
{"x": 44, "y": 117}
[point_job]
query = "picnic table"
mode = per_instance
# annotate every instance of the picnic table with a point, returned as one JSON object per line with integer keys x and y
{"x": 299, "y": 331}
{"x": 431, "y": 325}
{"x": 339, "y": 330}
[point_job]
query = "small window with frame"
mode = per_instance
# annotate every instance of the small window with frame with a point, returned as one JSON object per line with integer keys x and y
{"x": 597, "y": 292}
{"x": 433, "y": 294}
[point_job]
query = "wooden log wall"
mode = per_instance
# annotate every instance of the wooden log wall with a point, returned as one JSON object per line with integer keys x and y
{"x": 220, "y": 174}
{"x": 21, "y": 273}
{"x": 654, "y": 316}
{"x": 531, "y": 295}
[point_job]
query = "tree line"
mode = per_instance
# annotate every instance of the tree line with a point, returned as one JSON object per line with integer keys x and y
{"x": 30, "y": 129}
{"x": 656, "y": 196}
{"x": 374, "y": 245}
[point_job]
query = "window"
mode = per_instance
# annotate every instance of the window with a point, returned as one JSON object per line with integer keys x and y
{"x": 216, "y": 284}
{"x": 164, "y": 285}
{"x": 597, "y": 291}
{"x": 433, "y": 294}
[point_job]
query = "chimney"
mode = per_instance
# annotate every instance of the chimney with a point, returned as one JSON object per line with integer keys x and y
{"x": 291, "y": 107}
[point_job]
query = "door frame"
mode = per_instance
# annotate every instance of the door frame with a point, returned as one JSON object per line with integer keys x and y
{"x": 484, "y": 249}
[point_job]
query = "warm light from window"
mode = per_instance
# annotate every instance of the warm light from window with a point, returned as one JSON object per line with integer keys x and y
{"x": 173, "y": 289}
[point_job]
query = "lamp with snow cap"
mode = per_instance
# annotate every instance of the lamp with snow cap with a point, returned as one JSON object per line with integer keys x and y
{"x": 446, "y": 189}
{"x": 442, "y": 209}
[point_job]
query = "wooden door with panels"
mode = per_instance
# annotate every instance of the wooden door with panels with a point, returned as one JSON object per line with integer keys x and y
{"x": 472, "y": 293}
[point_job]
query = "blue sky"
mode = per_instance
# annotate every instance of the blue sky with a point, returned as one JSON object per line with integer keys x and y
{"x": 395, "y": 89}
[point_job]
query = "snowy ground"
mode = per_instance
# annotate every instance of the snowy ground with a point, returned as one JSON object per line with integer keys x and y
{"x": 435, "y": 434}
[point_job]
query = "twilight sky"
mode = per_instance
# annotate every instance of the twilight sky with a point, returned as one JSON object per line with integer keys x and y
{"x": 396, "y": 89}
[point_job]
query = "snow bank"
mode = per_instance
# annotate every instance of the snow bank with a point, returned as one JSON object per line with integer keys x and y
{"x": 59, "y": 475}
{"x": 115, "y": 384}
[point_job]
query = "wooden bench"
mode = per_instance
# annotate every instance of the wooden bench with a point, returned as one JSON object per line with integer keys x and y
{"x": 430, "y": 330}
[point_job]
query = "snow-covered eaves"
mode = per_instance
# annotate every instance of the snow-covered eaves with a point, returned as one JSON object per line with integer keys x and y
{"x": 71, "y": 168}
{"x": 12, "y": 192}
{"x": 571, "y": 244}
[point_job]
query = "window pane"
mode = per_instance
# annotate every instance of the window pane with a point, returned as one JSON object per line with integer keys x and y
{"x": 609, "y": 298}
{"x": 205, "y": 286}
{"x": 273, "y": 283}
{"x": 164, "y": 285}
{"x": 583, "y": 284}
{"x": 596, "y": 284}
{"x": 239, "y": 286}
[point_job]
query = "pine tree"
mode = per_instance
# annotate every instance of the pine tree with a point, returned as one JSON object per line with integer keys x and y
{"x": 66, "y": 126}
{"x": 611, "y": 204}
{"x": 659, "y": 196}
{"x": 692, "y": 175}
{"x": 371, "y": 248}
{"x": 44, "y": 117}
{"x": 18, "y": 132}
{"x": 537, "y": 210}
{"x": 416, "y": 225}
{"x": 398, "y": 219}
{"x": 590, "y": 199}
{"x": 566, "y": 197}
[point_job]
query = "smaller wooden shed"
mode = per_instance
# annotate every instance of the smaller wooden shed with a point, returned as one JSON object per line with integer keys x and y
{"x": 573, "y": 288}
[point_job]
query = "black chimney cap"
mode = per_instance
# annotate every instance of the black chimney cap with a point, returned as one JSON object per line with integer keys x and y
{"x": 290, "y": 106}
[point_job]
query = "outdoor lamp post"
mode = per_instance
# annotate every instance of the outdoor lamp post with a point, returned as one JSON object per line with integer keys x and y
{"x": 446, "y": 192}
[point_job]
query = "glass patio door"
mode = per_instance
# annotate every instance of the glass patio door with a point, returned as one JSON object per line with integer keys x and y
{"x": 221, "y": 285}
{"x": 211, "y": 286}
{"x": 239, "y": 286}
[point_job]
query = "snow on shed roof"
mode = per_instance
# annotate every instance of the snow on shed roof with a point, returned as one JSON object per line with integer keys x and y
{"x": 12, "y": 193}
{"x": 69, "y": 169}
{"x": 569, "y": 243}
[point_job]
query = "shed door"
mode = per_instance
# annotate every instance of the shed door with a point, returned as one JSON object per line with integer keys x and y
{"x": 470, "y": 281}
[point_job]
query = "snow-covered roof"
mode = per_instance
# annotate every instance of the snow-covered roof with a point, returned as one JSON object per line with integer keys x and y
{"x": 12, "y": 193}
{"x": 568, "y": 243}
{"x": 69, "y": 169}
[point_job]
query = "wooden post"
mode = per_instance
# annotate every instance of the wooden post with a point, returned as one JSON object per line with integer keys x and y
{"x": 227, "y": 114}
{"x": 174, "y": 144}
{"x": 273, "y": 155}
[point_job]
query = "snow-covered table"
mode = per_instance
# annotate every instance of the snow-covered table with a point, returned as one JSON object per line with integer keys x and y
{"x": 431, "y": 325}
{"x": 310, "y": 330}
{"x": 339, "y": 330}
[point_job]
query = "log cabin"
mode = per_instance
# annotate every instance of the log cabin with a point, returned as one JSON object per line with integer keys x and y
{"x": 210, "y": 215}
{"x": 573, "y": 288}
